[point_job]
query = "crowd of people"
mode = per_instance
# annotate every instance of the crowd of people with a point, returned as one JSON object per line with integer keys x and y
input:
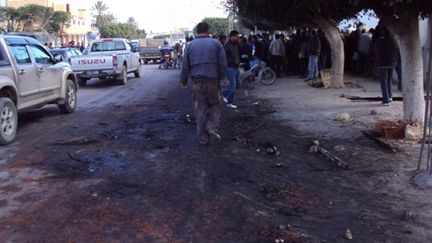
{"x": 374, "y": 53}
{"x": 305, "y": 52}
{"x": 287, "y": 54}
{"x": 71, "y": 44}
{"x": 211, "y": 58}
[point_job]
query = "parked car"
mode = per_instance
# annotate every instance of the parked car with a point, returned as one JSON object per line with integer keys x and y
{"x": 31, "y": 77}
{"x": 107, "y": 58}
{"x": 67, "y": 53}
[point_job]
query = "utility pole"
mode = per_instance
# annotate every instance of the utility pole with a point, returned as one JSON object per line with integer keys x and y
{"x": 424, "y": 178}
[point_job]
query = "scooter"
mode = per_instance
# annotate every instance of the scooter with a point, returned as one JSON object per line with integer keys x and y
{"x": 167, "y": 62}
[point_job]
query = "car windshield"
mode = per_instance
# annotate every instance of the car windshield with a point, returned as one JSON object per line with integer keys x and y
{"x": 61, "y": 52}
{"x": 108, "y": 46}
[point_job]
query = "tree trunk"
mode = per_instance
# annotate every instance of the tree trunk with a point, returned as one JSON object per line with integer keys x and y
{"x": 408, "y": 34}
{"x": 337, "y": 52}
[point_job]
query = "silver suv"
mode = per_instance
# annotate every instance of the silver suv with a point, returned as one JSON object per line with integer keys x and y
{"x": 30, "y": 77}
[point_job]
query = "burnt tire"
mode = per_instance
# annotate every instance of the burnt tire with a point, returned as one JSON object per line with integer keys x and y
{"x": 70, "y": 99}
{"x": 8, "y": 121}
{"x": 82, "y": 82}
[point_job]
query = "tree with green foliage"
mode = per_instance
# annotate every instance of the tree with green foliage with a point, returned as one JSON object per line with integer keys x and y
{"x": 34, "y": 17}
{"x": 101, "y": 17}
{"x": 138, "y": 33}
{"x": 10, "y": 18}
{"x": 131, "y": 21}
{"x": 58, "y": 22}
{"x": 218, "y": 26}
{"x": 113, "y": 30}
{"x": 129, "y": 30}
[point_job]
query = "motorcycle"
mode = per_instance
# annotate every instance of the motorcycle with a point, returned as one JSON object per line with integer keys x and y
{"x": 259, "y": 71}
{"x": 167, "y": 61}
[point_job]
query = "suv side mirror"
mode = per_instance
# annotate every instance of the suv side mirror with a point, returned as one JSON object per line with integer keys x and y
{"x": 136, "y": 49}
{"x": 58, "y": 58}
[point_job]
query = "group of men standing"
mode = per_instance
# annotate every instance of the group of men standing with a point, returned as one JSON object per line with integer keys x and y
{"x": 206, "y": 63}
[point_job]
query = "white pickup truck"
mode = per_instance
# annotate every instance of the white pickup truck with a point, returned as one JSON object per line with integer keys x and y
{"x": 107, "y": 58}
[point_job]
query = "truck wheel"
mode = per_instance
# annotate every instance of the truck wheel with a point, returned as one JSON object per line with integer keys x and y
{"x": 70, "y": 99}
{"x": 123, "y": 76}
{"x": 82, "y": 82}
{"x": 145, "y": 61}
{"x": 8, "y": 121}
{"x": 138, "y": 72}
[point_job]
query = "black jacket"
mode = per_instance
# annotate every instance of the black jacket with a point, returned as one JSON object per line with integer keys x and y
{"x": 387, "y": 51}
{"x": 315, "y": 46}
{"x": 232, "y": 53}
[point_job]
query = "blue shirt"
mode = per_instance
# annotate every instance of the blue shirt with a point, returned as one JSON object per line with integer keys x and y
{"x": 204, "y": 59}
{"x": 166, "y": 49}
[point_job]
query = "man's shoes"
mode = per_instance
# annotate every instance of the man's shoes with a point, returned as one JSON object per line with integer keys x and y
{"x": 225, "y": 99}
{"x": 391, "y": 100}
{"x": 215, "y": 134}
{"x": 386, "y": 104}
{"x": 232, "y": 106}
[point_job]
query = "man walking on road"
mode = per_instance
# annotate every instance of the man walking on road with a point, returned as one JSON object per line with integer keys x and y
{"x": 232, "y": 51}
{"x": 205, "y": 62}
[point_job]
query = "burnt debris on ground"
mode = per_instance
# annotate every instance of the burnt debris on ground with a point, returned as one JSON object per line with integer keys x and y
{"x": 144, "y": 178}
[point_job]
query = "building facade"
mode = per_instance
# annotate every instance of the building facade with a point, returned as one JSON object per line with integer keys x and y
{"x": 81, "y": 22}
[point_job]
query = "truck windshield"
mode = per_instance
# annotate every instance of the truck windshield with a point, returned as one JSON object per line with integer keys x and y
{"x": 108, "y": 46}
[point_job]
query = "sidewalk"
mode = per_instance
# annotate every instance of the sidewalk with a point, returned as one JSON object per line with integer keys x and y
{"x": 314, "y": 110}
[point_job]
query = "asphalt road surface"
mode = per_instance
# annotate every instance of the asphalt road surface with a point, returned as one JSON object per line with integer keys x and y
{"x": 126, "y": 167}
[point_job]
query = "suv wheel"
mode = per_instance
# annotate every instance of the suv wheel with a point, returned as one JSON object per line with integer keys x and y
{"x": 82, "y": 82}
{"x": 123, "y": 75}
{"x": 70, "y": 99}
{"x": 138, "y": 72}
{"x": 8, "y": 121}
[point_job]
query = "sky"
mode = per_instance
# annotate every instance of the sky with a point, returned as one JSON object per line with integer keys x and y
{"x": 162, "y": 15}
{"x": 368, "y": 18}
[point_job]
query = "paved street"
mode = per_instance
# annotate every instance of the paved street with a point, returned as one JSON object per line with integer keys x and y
{"x": 125, "y": 167}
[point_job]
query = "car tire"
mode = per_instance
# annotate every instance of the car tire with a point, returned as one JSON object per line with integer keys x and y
{"x": 8, "y": 121}
{"x": 82, "y": 82}
{"x": 123, "y": 76}
{"x": 70, "y": 99}
{"x": 145, "y": 62}
{"x": 138, "y": 72}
